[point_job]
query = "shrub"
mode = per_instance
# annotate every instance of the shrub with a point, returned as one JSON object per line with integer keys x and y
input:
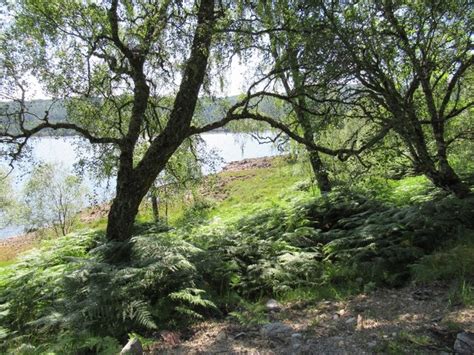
{"x": 64, "y": 292}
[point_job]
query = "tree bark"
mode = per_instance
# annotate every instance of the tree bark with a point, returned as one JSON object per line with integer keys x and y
{"x": 134, "y": 183}
{"x": 322, "y": 177}
{"x": 442, "y": 174}
{"x": 320, "y": 173}
{"x": 154, "y": 206}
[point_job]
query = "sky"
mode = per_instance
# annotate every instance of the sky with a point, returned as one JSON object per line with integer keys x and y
{"x": 235, "y": 83}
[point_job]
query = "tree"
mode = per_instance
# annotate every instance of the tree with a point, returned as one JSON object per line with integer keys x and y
{"x": 287, "y": 48}
{"x": 53, "y": 198}
{"x": 8, "y": 204}
{"x": 406, "y": 64}
{"x": 114, "y": 66}
{"x": 94, "y": 54}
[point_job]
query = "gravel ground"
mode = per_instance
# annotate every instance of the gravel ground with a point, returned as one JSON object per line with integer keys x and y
{"x": 409, "y": 320}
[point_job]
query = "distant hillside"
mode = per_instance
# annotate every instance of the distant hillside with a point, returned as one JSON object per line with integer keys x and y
{"x": 208, "y": 110}
{"x": 37, "y": 109}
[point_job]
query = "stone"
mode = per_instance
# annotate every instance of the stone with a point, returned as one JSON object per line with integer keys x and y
{"x": 170, "y": 338}
{"x": 273, "y": 306}
{"x": 133, "y": 347}
{"x": 360, "y": 322}
{"x": 221, "y": 336}
{"x": 464, "y": 344}
{"x": 351, "y": 320}
{"x": 239, "y": 335}
{"x": 296, "y": 341}
{"x": 342, "y": 312}
{"x": 276, "y": 331}
{"x": 372, "y": 344}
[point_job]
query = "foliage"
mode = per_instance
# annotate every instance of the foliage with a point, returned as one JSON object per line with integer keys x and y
{"x": 454, "y": 265}
{"x": 327, "y": 241}
{"x": 8, "y": 205}
{"x": 53, "y": 198}
{"x": 63, "y": 296}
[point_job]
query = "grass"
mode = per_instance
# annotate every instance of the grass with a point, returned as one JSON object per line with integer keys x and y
{"x": 257, "y": 189}
{"x": 321, "y": 293}
{"x": 233, "y": 194}
{"x": 462, "y": 293}
{"x": 5, "y": 263}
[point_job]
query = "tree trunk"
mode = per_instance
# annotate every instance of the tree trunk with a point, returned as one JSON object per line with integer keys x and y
{"x": 120, "y": 224}
{"x": 133, "y": 183}
{"x": 442, "y": 174}
{"x": 322, "y": 177}
{"x": 320, "y": 173}
{"x": 154, "y": 206}
{"x": 448, "y": 179}
{"x": 445, "y": 178}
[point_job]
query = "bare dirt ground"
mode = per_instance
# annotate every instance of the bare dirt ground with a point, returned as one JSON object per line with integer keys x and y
{"x": 412, "y": 320}
{"x": 247, "y": 164}
{"x": 11, "y": 247}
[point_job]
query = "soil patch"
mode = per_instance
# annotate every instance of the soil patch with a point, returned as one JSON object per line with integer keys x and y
{"x": 409, "y": 320}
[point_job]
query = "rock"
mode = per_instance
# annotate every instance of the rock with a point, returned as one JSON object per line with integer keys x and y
{"x": 372, "y": 344}
{"x": 170, "y": 338}
{"x": 360, "y": 322}
{"x": 221, "y": 336}
{"x": 239, "y": 335}
{"x": 351, "y": 320}
{"x": 276, "y": 331}
{"x": 133, "y": 347}
{"x": 296, "y": 341}
{"x": 464, "y": 344}
{"x": 341, "y": 312}
{"x": 273, "y": 306}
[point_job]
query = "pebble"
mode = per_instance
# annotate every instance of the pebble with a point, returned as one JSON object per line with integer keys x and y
{"x": 372, "y": 344}
{"x": 296, "y": 340}
{"x": 464, "y": 344}
{"x": 221, "y": 336}
{"x": 133, "y": 347}
{"x": 273, "y": 306}
{"x": 276, "y": 331}
{"x": 351, "y": 320}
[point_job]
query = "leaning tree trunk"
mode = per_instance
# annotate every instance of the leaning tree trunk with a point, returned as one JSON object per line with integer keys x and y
{"x": 447, "y": 177}
{"x": 317, "y": 165}
{"x": 300, "y": 107}
{"x": 133, "y": 183}
{"x": 442, "y": 174}
{"x": 322, "y": 177}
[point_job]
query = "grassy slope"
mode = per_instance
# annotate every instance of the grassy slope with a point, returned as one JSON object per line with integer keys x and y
{"x": 245, "y": 192}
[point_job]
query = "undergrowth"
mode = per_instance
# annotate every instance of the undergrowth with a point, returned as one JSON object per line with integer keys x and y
{"x": 65, "y": 298}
